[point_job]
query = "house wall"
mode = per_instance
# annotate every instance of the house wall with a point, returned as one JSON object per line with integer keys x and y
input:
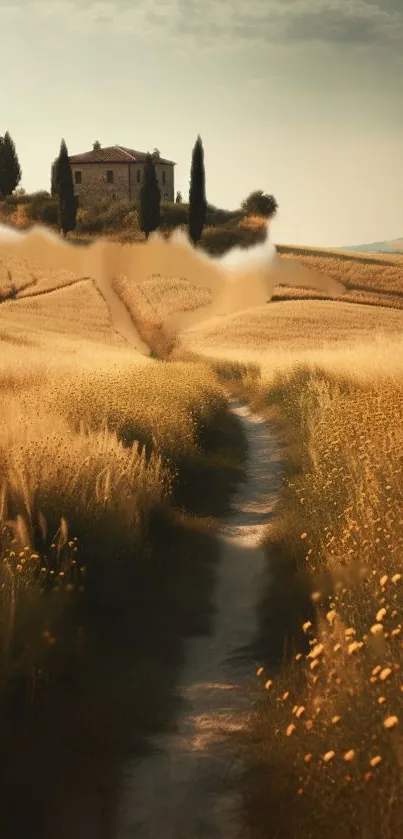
{"x": 166, "y": 189}
{"x": 94, "y": 186}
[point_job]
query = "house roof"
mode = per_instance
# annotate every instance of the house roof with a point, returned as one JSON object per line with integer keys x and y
{"x": 114, "y": 154}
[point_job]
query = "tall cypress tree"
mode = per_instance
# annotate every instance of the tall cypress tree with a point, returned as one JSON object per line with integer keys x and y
{"x": 64, "y": 189}
{"x": 197, "y": 193}
{"x": 150, "y": 199}
{"x": 53, "y": 179}
{"x": 10, "y": 170}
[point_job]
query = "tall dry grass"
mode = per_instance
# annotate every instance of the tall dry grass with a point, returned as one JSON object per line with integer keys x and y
{"x": 90, "y": 436}
{"x": 325, "y": 747}
{"x": 373, "y": 279}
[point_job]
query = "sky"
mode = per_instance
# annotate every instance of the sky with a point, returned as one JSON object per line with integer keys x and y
{"x": 300, "y": 98}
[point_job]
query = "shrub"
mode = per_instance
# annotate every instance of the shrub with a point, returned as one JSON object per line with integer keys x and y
{"x": 174, "y": 214}
{"x": 35, "y": 203}
{"x": 218, "y": 240}
{"x": 260, "y": 204}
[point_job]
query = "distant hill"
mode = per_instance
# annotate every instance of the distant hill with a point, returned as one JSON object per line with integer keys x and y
{"x": 392, "y": 246}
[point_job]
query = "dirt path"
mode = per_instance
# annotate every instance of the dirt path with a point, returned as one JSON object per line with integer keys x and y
{"x": 186, "y": 788}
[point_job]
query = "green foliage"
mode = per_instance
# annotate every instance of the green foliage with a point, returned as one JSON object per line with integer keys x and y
{"x": 150, "y": 198}
{"x": 10, "y": 170}
{"x": 17, "y": 198}
{"x": 215, "y": 216}
{"x": 107, "y": 215}
{"x": 174, "y": 214}
{"x": 259, "y": 203}
{"x": 65, "y": 191}
{"x": 42, "y": 208}
{"x": 219, "y": 240}
{"x": 197, "y": 193}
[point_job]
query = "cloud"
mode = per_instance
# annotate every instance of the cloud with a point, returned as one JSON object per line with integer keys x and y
{"x": 229, "y": 23}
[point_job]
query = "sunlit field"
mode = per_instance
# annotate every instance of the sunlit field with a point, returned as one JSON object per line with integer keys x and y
{"x": 291, "y": 330}
{"x": 93, "y": 435}
{"x": 102, "y": 449}
{"x": 371, "y": 279}
{"x": 324, "y": 748}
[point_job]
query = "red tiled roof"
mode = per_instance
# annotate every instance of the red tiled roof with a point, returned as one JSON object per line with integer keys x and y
{"x": 114, "y": 154}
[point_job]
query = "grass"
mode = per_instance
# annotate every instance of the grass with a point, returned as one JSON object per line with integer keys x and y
{"x": 324, "y": 744}
{"x": 371, "y": 279}
{"x": 114, "y": 475}
{"x": 287, "y": 332}
{"x": 107, "y": 549}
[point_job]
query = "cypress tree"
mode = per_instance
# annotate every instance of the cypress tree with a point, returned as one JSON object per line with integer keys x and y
{"x": 197, "y": 193}
{"x": 10, "y": 170}
{"x": 53, "y": 179}
{"x": 65, "y": 191}
{"x": 150, "y": 199}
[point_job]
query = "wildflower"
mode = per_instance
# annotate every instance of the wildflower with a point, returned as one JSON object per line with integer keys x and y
{"x": 315, "y": 596}
{"x": 385, "y": 673}
{"x": 331, "y": 615}
{"x": 391, "y": 722}
{"x": 329, "y": 756}
{"x": 376, "y": 670}
{"x": 314, "y": 663}
{"x": 298, "y": 657}
{"x": 286, "y": 695}
{"x": 349, "y": 756}
{"x": 259, "y": 671}
{"x": 396, "y": 578}
{"x": 384, "y": 580}
{"x": 317, "y": 650}
{"x": 376, "y": 629}
{"x": 290, "y": 729}
{"x": 300, "y": 711}
{"x": 381, "y": 700}
{"x": 309, "y": 725}
{"x": 367, "y": 776}
{"x": 308, "y": 758}
{"x": 380, "y": 615}
{"x": 335, "y": 719}
{"x": 337, "y": 647}
{"x": 375, "y": 761}
{"x": 268, "y": 684}
{"x": 349, "y": 632}
{"x": 304, "y": 535}
{"x": 307, "y": 625}
{"x": 354, "y": 646}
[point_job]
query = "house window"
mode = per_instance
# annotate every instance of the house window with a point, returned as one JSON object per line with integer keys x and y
{"x": 163, "y": 178}
{"x": 78, "y": 177}
{"x": 109, "y": 176}
{"x": 138, "y": 176}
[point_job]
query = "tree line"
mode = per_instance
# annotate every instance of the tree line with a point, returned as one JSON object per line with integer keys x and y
{"x": 62, "y": 188}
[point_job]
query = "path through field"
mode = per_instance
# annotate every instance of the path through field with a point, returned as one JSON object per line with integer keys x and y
{"x": 186, "y": 789}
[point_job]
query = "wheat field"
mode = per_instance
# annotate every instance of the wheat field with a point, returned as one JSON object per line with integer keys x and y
{"x": 324, "y": 747}
{"x": 92, "y": 439}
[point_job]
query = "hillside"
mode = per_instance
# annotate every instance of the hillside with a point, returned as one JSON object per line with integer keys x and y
{"x": 391, "y": 246}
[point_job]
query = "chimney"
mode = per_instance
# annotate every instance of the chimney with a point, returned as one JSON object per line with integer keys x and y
{"x": 96, "y": 146}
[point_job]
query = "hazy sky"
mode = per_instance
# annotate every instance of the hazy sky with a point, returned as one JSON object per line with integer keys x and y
{"x": 300, "y": 98}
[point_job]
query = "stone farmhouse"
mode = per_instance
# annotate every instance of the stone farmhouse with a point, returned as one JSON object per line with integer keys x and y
{"x": 116, "y": 172}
